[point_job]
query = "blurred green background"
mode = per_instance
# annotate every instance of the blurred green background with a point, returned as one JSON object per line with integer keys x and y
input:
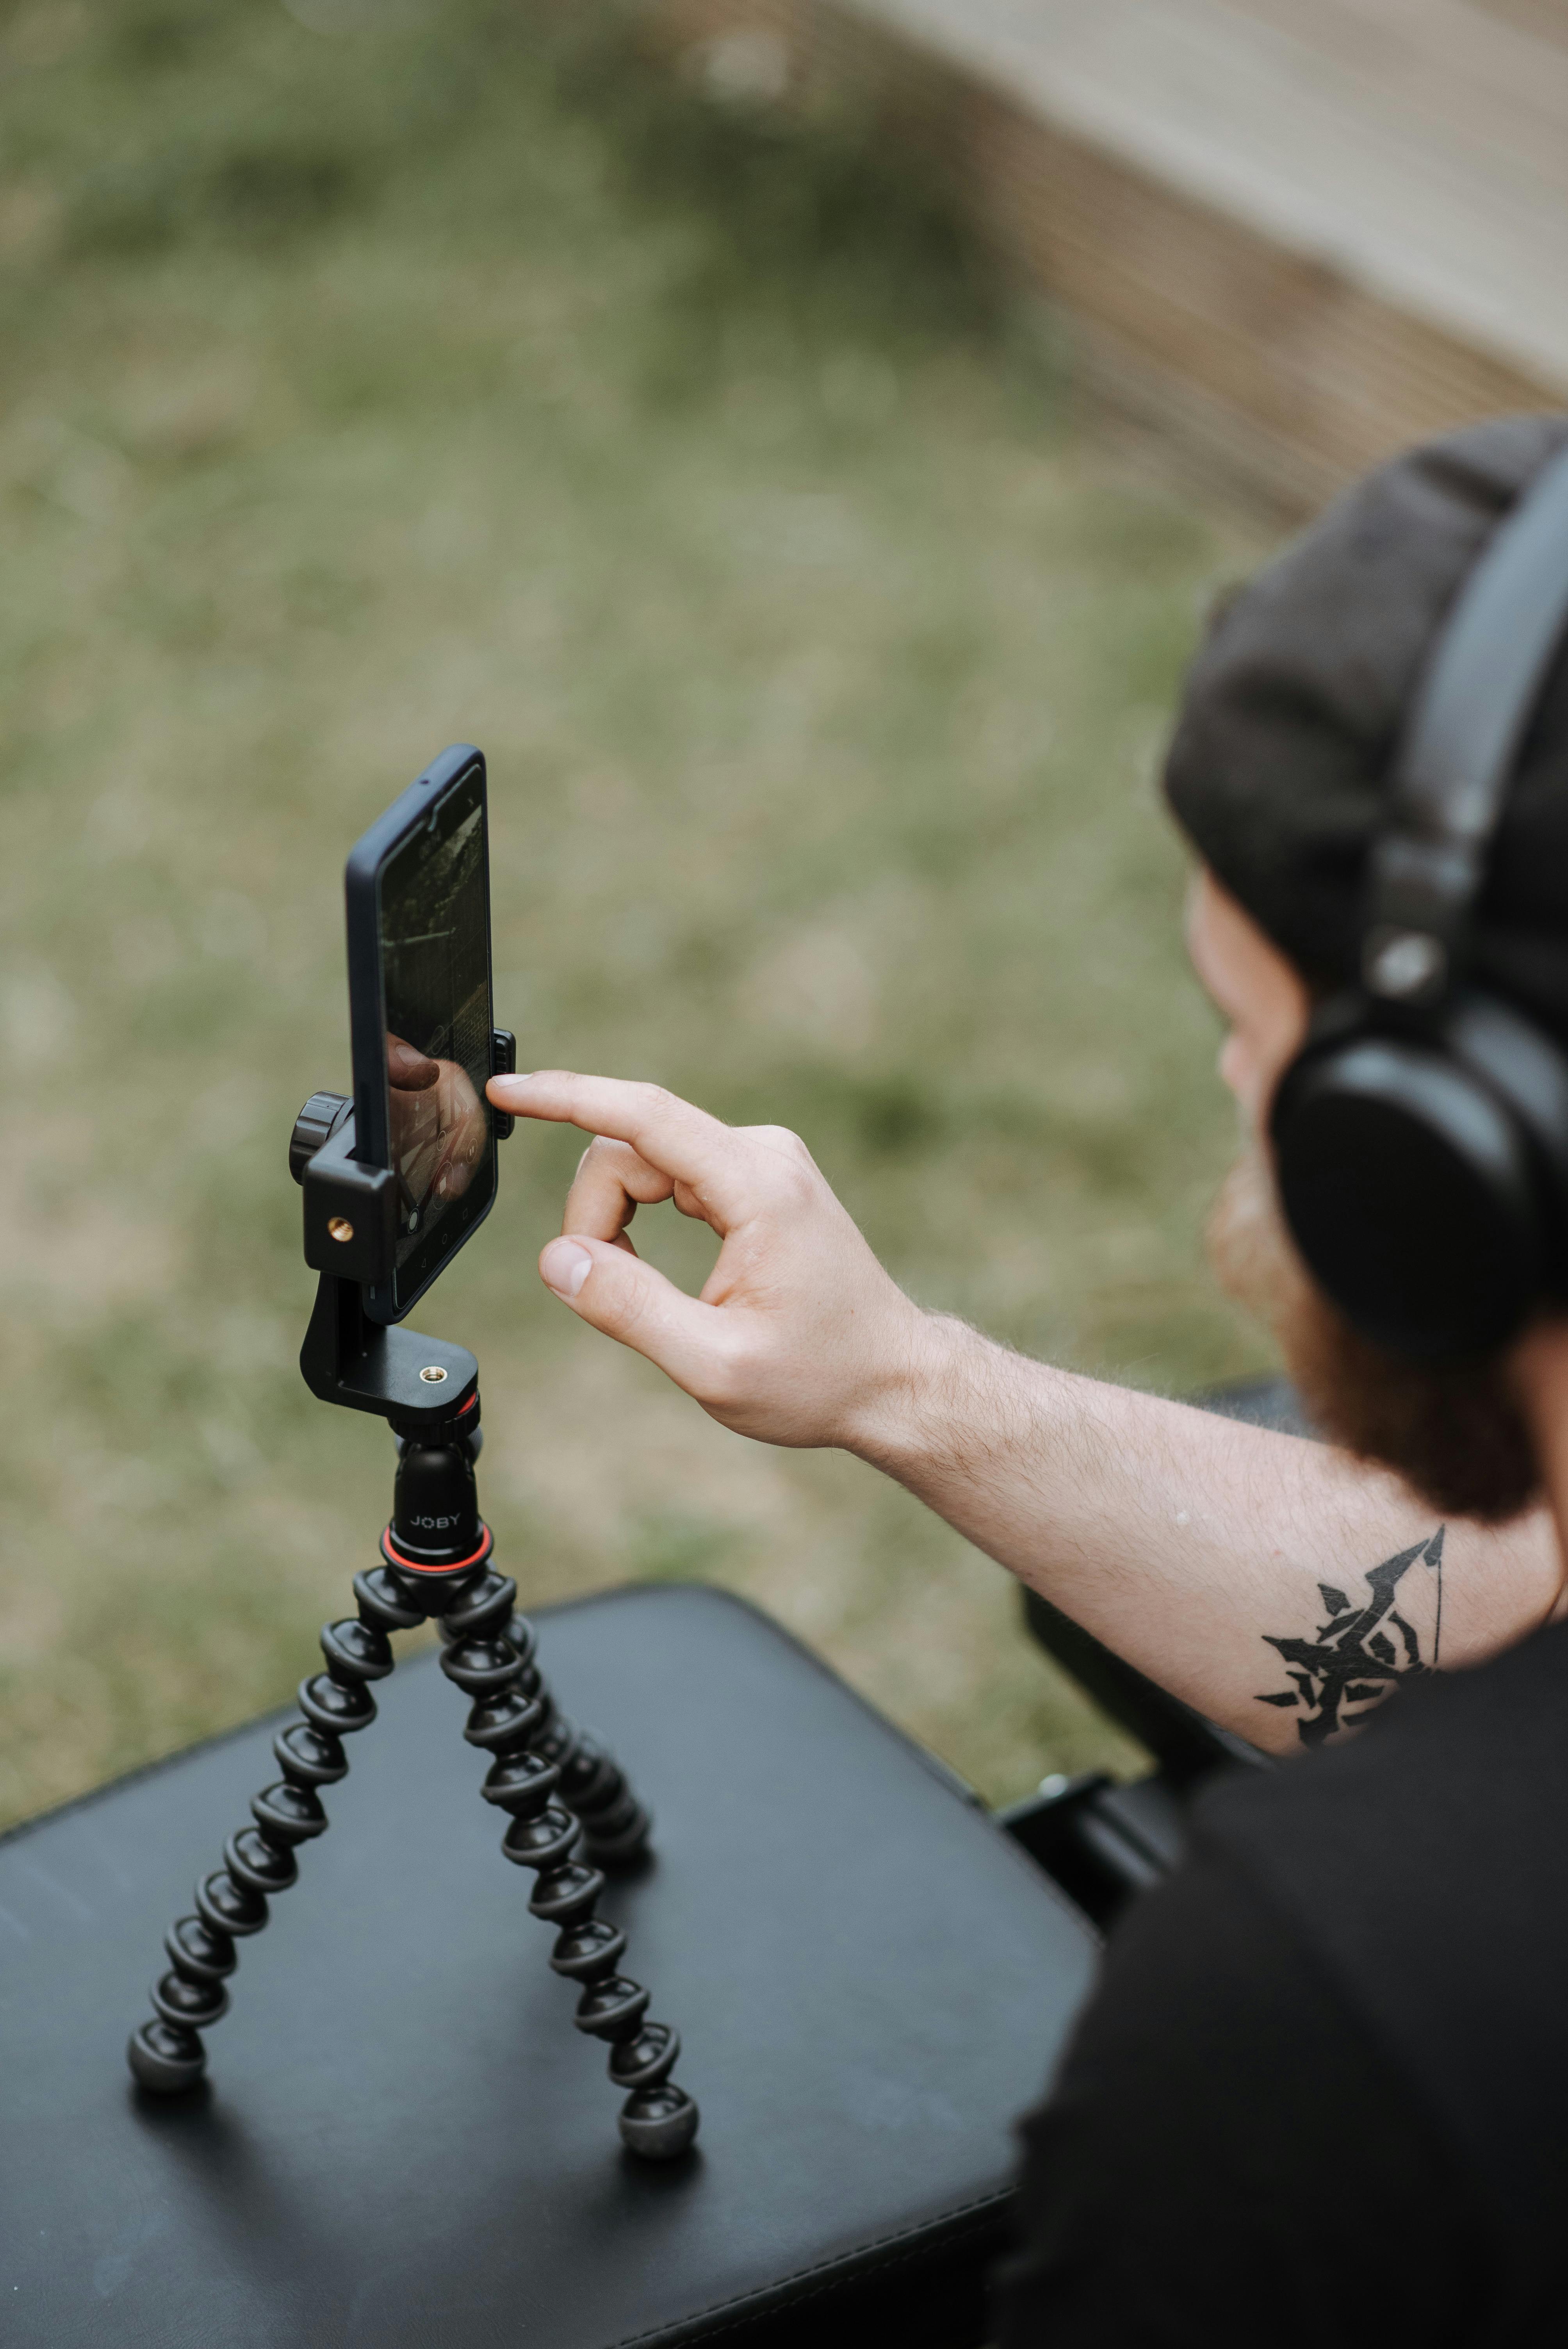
{"x": 375, "y": 378}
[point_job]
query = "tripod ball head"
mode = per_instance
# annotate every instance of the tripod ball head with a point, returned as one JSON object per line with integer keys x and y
{"x": 436, "y": 1523}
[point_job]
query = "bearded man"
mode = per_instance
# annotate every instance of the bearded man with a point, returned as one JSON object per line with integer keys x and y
{"x": 1322, "y": 2092}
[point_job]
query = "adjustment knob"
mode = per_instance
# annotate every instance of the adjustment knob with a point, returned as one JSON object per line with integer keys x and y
{"x": 314, "y": 1126}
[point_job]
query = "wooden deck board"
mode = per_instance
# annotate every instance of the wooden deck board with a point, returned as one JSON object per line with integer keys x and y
{"x": 1341, "y": 222}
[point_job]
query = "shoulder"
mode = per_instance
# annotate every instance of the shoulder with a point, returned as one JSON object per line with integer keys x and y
{"x": 1219, "y": 2119}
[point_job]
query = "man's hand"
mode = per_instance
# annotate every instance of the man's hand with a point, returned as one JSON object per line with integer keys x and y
{"x": 1191, "y": 1544}
{"x": 798, "y": 1336}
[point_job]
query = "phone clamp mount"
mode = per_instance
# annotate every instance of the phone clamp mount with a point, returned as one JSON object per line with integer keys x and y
{"x": 570, "y": 1815}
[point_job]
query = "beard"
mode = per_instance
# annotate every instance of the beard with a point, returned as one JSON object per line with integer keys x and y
{"x": 1454, "y": 1433}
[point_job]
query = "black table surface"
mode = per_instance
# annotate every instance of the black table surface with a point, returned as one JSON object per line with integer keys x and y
{"x": 404, "y": 2141}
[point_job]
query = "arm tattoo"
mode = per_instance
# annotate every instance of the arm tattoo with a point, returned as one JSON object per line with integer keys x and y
{"x": 1361, "y": 1652}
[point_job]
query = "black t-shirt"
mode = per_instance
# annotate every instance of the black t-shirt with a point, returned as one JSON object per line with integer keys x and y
{"x": 1321, "y": 2096}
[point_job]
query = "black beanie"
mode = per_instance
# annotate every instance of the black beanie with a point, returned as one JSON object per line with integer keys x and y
{"x": 1278, "y": 770}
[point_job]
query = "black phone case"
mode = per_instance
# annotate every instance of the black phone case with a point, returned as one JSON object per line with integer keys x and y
{"x": 367, "y": 860}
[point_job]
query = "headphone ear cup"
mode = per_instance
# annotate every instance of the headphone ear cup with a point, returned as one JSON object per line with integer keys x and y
{"x": 1412, "y": 1195}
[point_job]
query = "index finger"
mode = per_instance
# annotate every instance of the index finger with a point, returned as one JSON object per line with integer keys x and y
{"x": 673, "y": 1135}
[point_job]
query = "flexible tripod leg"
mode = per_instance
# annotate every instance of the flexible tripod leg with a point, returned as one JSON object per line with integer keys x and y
{"x": 592, "y": 1786}
{"x": 167, "y": 2053}
{"x": 539, "y": 1765}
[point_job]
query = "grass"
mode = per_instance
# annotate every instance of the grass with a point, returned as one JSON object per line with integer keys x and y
{"x": 460, "y": 381}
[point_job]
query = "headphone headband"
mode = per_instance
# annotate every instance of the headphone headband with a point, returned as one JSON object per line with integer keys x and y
{"x": 1456, "y": 760}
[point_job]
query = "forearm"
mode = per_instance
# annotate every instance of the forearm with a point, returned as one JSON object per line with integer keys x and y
{"x": 1190, "y": 1543}
{"x": 1232, "y": 1566}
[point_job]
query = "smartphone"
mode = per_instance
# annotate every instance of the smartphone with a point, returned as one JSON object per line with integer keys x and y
{"x": 420, "y": 1017}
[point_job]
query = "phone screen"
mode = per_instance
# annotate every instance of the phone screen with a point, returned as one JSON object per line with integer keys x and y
{"x": 434, "y": 926}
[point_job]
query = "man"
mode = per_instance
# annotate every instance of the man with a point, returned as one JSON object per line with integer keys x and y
{"x": 1323, "y": 2092}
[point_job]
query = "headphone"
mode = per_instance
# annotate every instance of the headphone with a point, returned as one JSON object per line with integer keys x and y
{"x": 1420, "y": 1135}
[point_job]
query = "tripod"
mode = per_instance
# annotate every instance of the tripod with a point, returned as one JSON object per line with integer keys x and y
{"x": 571, "y": 1814}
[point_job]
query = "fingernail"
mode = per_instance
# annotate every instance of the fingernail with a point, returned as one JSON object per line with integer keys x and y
{"x": 565, "y": 1266}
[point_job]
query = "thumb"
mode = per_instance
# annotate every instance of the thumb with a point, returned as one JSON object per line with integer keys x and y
{"x": 632, "y": 1301}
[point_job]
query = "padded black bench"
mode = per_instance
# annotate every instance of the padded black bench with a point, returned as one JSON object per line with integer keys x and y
{"x": 404, "y": 2142}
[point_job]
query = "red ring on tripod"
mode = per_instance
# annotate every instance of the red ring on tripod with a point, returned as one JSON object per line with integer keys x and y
{"x": 395, "y": 1556}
